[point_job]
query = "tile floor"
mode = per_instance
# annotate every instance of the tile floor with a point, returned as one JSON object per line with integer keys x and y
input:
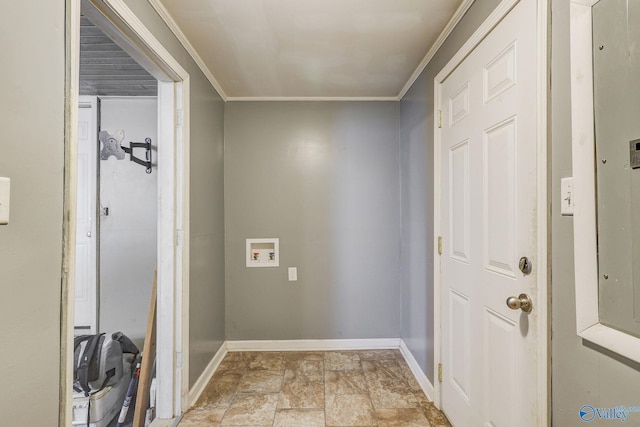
{"x": 309, "y": 389}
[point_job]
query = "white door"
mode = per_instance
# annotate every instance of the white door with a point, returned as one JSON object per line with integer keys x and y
{"x": 488, "y": 221}
{"x": 85, "y": 318}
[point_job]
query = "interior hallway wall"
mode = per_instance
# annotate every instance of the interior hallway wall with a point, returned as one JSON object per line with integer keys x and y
{"x": 32, "y": 155}
{"x": 581, "y": 373}
{"x": 416, "y": 154}
{"x": 322, "y": 177}
{"x": 206, "y": 256}
{"x": 128, "y": 247}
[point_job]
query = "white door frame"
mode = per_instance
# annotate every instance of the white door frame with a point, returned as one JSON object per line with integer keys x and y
{"x": 541, "y": 300}
{"x": 91, "y": 102}
{"x": 120, "y": 23}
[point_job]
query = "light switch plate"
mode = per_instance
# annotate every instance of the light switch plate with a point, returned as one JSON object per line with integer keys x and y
{"x": 293, "y": 274}
{"x": 566, "y": 195}
{"x": 5, "y": 185}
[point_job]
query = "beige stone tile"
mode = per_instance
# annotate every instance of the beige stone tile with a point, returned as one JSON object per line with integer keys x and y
{"x": 217, "y": 393}
{"x": 381, "y": 370}
{"x": 293, "y": 356}
{"x": 304, "y": 370}
{"x": 377, "y": 354}
{"x": 406, "y": 417}
{"x": 345, "y": 382}
{"x": 299, "y": 418}
{"x": 435, "y": 417}
{"x": 268, "y": 361}
{"x": 302, "y": 395}
{"x": 236, "y": 360}
{"x": 349, "y": 410}
{"x": 411, "y": 379}
{"x": 202, "y": 417}
{"x": 261, "y": 382}
{"x": 233, "y": 375}
{"x": 391, "y": 394}
{"x": 251, "y": 410}
{"x": 341, "y": 360}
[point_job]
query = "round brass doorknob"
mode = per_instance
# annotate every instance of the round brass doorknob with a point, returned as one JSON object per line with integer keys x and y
{"x": 522, "y": 302}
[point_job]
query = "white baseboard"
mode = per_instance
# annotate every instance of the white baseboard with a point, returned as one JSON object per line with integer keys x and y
{"x": 205, "y": 377}
{"x": 422, "y": 379}
{"x": 314, "y": 345}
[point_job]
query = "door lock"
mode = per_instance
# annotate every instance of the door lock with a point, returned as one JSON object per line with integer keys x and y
{"x": 525, "y": 265}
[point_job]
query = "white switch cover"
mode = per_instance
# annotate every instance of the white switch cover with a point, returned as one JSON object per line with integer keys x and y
{"x": 293, "y": 274}
{"x": 4, "y": 200}
{"x": 566, "y": 194}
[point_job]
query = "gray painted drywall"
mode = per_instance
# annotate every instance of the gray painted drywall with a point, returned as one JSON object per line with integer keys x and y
{"x": 32, "y": 146}
{"x": 323, "y": 177}
{"x": 206, "y": 257}
{"x": 416, "y": 154}
{"x": 32, "y": 155}
{"x": 128, "y": 248}
{"x": 581, "y": 374}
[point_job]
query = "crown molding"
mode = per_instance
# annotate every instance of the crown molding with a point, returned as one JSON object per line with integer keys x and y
{"x": 173, "y": 26}
{"x": 313, "y": 98}
{"x": 455, "y": 19}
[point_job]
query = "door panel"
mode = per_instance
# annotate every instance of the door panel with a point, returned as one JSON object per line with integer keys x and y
{"x": 488, "y": 220}
{"x": 500, "y": 198}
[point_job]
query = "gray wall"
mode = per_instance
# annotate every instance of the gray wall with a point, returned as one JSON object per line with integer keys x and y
{"x": 324, "y": 178}
{"x": 128, "y": 248}
{"x": 31, "y": 154}
{"x": 206, "y": 298}
{"x": 581, "y": 374}
{"x": 416, "y": 142}
{"x": 32, "y": 147}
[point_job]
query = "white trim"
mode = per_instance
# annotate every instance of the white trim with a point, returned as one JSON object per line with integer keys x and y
{"x": 72, "y": 90}
{"x": 165, "y": 330}
{"x": 91, "y": 101}
{"x": 544, "y": 302}
{"x": 175, "y": 28}
{"x": 455, "y": 19}
{"x": 184, "y": 40}
{"x": 312, "y": 98}
{"x": 588, "y": 324}
{"x": 207, "y": 374}
{"x": 422, "y": 379}
{"x": 314, "y": 345}
{"x": 184, "y": 233}
{"x": 120, "y": 22}
{"x": 437, "y": 200}
{"x": 543, "y": 374}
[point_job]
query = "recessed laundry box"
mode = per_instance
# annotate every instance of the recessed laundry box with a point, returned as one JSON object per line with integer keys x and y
{"x": 263, "y": 252}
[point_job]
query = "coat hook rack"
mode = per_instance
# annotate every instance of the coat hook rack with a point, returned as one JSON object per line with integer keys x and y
{"x": 147, "y": 146}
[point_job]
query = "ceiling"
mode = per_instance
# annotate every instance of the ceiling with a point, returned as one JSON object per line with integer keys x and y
{"x": 293, "y": 49}
{"x": 107, "y": 70}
